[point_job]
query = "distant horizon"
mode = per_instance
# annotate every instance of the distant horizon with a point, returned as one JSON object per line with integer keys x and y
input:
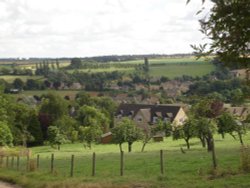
{"x": 115, "y": 55}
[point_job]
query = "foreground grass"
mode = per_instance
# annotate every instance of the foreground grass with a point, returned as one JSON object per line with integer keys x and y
{"x": 192, "y": 169}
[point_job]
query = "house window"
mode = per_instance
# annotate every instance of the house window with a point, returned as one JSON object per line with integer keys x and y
{"x": 139, "y": 119}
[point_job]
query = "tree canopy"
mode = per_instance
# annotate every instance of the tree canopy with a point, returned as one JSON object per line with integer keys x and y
{"x": 228, "y": 28}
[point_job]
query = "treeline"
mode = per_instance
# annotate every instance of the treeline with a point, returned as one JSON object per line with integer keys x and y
{"x": 54, "y": 120}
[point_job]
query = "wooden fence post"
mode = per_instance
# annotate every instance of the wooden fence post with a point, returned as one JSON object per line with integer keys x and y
{"x": 17, "y": 162}
{"x": 7, "y": 161}
{"x": 72, "y": 166}
{"x": 28, "y": 163}
{"x": 122, "y": 163}
{"x": 161, "y": 161}
{"x": 52, "y": 163}
{"x": 37, "y": 161}
{"x": 93, "y": 164}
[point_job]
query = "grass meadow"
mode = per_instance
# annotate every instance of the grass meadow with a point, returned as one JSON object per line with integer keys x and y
{"x": 189, "y": 169}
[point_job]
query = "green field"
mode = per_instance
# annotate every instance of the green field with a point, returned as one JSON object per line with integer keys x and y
{"x": 191, "y": 169}
{"x": 176, "y": 70}
{"x": 10, "y": 78}
{"x": 111, "y": 69}
{"x": 170, "y": 67}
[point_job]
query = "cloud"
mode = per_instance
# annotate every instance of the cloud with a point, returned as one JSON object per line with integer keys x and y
{"x": 42, "y": 28}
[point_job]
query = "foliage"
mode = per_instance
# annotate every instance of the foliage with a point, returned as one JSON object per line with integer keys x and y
{"x": 55, "y": 137}
{"x": 6, "y": 138}
{"x": 88, "y": 114}
{"x": 126, "y": 131}
{"x": 228, "y": 28}
{"x": 68, "y": 127}
{"x": 186, "y": 131}
{"x": 53, "y": 105}
{"x": 90, "y": 134}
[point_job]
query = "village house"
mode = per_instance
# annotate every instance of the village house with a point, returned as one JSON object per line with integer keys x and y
{"x": 147, "y": 114}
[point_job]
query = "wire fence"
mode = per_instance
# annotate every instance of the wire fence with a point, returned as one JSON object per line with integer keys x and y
{"x": 88, "y": 165}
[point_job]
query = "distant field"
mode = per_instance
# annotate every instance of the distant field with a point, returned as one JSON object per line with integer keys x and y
{"x": 171, "y": 60}
{"x": 170, "y": 67}
{"x": 111, "y": 69}
{"x": 189, "y": 169}
{"x": 174, "y": 70}
{"x": 23, "y": 78}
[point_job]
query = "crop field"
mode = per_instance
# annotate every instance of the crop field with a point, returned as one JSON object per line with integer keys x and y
{"x": 189, "y": 169}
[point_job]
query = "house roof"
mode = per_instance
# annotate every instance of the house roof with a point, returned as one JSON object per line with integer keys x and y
{"x": 155, "y": 110}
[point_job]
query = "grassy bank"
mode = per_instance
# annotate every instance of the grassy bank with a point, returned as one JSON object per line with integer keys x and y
{"x": 189, "y": 169}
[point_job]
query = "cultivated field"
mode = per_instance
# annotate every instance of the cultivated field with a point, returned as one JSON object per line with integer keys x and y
{"x": 189, "y": 169}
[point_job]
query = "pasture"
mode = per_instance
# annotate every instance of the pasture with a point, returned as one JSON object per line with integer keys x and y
{"x": 189, "y": 169}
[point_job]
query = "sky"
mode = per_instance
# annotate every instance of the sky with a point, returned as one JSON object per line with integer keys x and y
{"x": 84, "y": 28}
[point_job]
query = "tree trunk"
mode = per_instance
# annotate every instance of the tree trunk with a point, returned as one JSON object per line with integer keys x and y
{"x": 120, "y": 146}
{"x": 222, "y": 135}
{"x": 203, "y": 143}
{"x": 58, "y": 147}
{"x": 209, "y": 144}
{"x": 213, "y": 154}
{"x": 129, "y": 146}
{"x": 187, "y": 143}
{"x": 143, "y": 146}
{"x": 240, "y": 137}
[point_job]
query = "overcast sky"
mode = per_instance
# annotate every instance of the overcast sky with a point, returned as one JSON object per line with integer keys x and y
{"x": 80, "y": 28}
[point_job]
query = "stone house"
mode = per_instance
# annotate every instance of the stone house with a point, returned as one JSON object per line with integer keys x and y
{"x": 146, "y": 115}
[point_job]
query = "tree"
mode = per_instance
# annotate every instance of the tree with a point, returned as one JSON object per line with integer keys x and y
{"x": 90, "y": 134}
{"x": 6, "y": 138}
{"x": 54, "y": 106}
{"x": 88, "y": 114}
{"x": 150, "y": 131}
{"x": 76, "y": 63}
{"x": 126, "y": 131}
{"x": 34, "y": 128}
{"x": 68, "y": 127}
{"x": 186, "y": 131}
{"x": 55, "y": 137}
{"x": 228, "y": 28}
{"x": 18, "y": 83}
